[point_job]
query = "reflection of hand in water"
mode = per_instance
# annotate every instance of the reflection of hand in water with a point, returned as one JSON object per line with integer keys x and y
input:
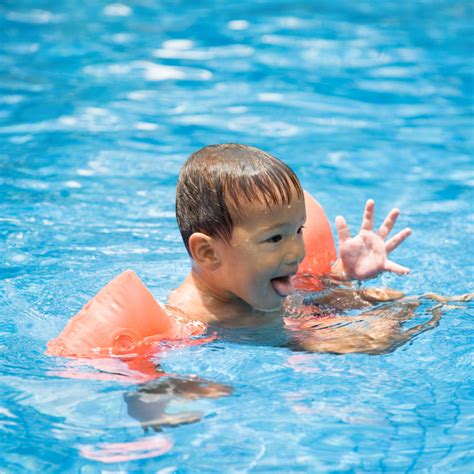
{"x": 148, "y": 404}
{"x": 376, "y": 330}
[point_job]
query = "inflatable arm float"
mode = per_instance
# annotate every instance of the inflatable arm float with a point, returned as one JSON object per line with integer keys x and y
{"x": 320, "y": 248}
{"x": 123, "y": 318}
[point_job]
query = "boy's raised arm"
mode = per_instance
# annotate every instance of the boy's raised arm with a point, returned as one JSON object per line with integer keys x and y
{"x": 365, "y": 255}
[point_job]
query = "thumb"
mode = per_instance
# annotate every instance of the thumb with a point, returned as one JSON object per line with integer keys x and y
{"x": 396, "y": 268}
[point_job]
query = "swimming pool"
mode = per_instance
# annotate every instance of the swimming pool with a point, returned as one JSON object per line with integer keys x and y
{"x": 100, "y": 105}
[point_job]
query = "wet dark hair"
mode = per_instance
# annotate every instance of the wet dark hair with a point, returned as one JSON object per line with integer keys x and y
{"x": 217, "y": 181}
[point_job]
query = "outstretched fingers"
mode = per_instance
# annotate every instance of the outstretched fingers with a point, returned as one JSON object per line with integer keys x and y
{"x": 397, "y": 239}
{"x": 396, "y": 268}
{"x": 388, "y": 223}
{"x": 343, "y": 231}
{"x": 368, "y": 219}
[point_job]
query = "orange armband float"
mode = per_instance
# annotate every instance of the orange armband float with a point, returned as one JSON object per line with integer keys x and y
{"x": 123, "y": 318}
{"x": 118, "y": 331}
{"x": 320, "y": 247}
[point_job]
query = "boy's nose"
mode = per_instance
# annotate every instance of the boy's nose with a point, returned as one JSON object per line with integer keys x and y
{"x": 296, "y": 251}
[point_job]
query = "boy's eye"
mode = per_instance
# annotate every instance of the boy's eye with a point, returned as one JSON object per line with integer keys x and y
{"x": 274, "y": 239}
{"x": 300, "y": 230}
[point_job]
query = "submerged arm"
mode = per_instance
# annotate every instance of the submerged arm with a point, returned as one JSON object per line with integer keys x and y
{"x": 377, "y": 331}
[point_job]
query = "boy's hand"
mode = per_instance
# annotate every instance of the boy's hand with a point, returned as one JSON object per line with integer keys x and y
{"x": 365, "y": 255}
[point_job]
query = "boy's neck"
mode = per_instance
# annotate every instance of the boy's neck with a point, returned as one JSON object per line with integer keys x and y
{"x": 200, "y": 300}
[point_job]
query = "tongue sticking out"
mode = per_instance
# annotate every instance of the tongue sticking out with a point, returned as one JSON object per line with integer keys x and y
{"x": 282, "y": 285}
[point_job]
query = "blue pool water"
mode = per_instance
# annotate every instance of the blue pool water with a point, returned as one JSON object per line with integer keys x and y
{"x": 100, "y": 104}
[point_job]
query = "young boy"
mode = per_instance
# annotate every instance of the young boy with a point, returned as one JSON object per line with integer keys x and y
{"x": 241, "y": 213}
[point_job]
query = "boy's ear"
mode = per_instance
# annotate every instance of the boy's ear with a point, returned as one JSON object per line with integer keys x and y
{"x": 203, "y": 251}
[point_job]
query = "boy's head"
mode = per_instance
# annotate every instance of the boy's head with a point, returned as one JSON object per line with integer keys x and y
{"x": 241, "y": 212}
{"x": 218, "y": 182}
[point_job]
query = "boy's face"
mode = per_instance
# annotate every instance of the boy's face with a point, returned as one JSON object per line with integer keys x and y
{"x": 264, "y": 252}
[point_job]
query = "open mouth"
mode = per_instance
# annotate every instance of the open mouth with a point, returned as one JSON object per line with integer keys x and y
{"x": 282, "y": 285}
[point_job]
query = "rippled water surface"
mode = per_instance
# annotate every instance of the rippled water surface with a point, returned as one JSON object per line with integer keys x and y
{"x": 100, "y": 104}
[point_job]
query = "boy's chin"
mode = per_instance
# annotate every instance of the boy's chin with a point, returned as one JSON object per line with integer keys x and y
{"x": 269, "y": 308}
